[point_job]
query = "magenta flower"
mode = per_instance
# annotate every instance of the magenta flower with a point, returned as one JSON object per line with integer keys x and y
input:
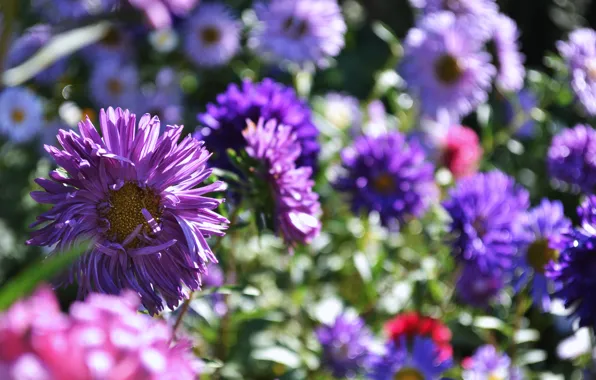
{"x": 159, "y": 12}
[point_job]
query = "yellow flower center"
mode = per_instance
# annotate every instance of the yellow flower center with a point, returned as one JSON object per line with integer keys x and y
{"x": 384, "y": 183}
{"x": 17, "y": 115}
{"x": 539, "y": 254}
{"x": 125, "y": 213}
{"x": 295, "y": 28}
{"x": 448, "y": 69}
{"x": 493, "y": 376}
{"x": 408, "y": 374}
{"x": 115, "y": 86}
{"x": 210, "y": 35}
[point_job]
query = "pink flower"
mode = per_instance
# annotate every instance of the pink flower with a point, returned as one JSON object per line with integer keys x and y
{"x": 159, "y": 12}
{"x": 461, "y": 151}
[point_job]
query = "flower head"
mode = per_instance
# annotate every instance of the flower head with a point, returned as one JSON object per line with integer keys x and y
{"x": 115, "y": 82}
{"x": 411, "y": 324}
{"x": 419, "y": 361}
{"x": 165, "y": 99}
{"x": 508, "y": 59}
{"x": 571, "y": 157}
{"x": 102, "y": 338}
{"x": 524, "y": 103}
{"x": 299, "y": 31}
{"x": 476, "y": 8}
{"x": 572, "y": 273}
{"x": 477, "y": 288}
{"x": 346, "y": 345}
{"x": 116, "y": 45}
{"x": 446, "y": 67}
{"x": 28, "y": 44}
{"x": 133, "y": 194}
{"x": 225, "y": 120}
{"x": 21, "y": 114}
{"x": 60, "y": 10}
{"x": 486, "y": 211}
{"x": 580, "y": 54}
{"x": 487, "y": 363}
{"x": 296, "y": 205}
{"x": 159, "y": 13}
{"x": 545, "y": 225}
{"x": 388, "y": 175}
{"x": 212, "y": 35}
{"x": 461, "y": 151}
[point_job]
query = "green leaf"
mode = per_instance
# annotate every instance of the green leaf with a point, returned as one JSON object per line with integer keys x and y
{"x": 44, "y": 270}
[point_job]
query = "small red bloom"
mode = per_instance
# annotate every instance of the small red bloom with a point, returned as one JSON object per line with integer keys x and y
{"x": 411, "y": 324}
{"x": 461, "y": 151}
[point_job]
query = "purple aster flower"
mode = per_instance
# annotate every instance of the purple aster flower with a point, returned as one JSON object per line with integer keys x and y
{"x": 545, "y": 224}
{"x": 477, "y": 8}
{"x": 212, "y": 35}
{"x": 296, "y": 205}
{"x": 165, "y": 99}
{"x": 21, "y": 114}
{"x": 571, "y": 157}
{"x": 115, "y": 82}
{"x": 487, "y": 363}
{"x": 388, "y": 175}
{"x": 486, "y": 212}
{"x": 573, "y": 273}
{"x": 580, "y": 54}
{"x": 133, "y": 194}
{"x": 446, "y": 66}
{"x": 526, "y": 101}
{"x": 477, "y": 288}
{"x": 159, "y": 13}
{"x": 224, "y": 121}
{"x": 27, "y": 45}
{"x": 508, "y": 59}
{"x": 215, "y": 278}
{"x": 419, "y": 361}
{"x": 346, "y": 345}
{"x": 299, "y": 31}
{"x": 117, "y": 44}
{"x": 60, "y": 10}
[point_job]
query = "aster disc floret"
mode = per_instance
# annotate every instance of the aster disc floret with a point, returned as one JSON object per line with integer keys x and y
{"x": 509, "y": 61}
{"x": 133, "y": 193}
{"x": 224, "y": 121}
{"x": 212, "y": 35}
{"x": 488, "y": 363}
{"x": 21, "y": 114}
{"x": 102, "y": 338}
{"x": 579, "y": 53}
{"x": 573, "y": 273}
{"x": 446, "y": 67}
{"x": 299, "y": 31}
{"x": 346, "y": 345}
{"x": 420, "y": 361}
{"x": 486, "y": 212}
{"x": 546, "y": 225}
{"x": 571, "y": 157}
{"x": 296, "y": 205}
{"x": 388, "y": 175}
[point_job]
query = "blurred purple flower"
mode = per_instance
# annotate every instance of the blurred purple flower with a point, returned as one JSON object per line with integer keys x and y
{"x": 346, "y": 345}
{"x": 159, "y": 13}
{"x": 486, "y": 212}
{"x": 117, "y": 44}
{"x": 132, "y": 194}
{"x": 420, "y": 360}
{"x": 224, "y": 121}
{"x": 296, "y": 205}
{"x": 61, "y": 10}
{"x": 508, "y": 59}
{"x": 526, "y": 100}
{"x": 165, "y": 99}
{"x": 477, "y": 8}
{"x": 388, "y": 175}
{"x": 215, "y": 278}
{"x": 487, "y": 363}
{"x": 545, "y": 225}
{"x": 212, "y": 35}
{"x": 300, "y": 31}
{"x": 571, "y": 157}
{"x": 115, "y": 82}
{"x": 446, "y": 67}
{"x": 21, "y": 114}
{"x": 580, "y": 54}
{"x": 27, "y": 45}
{"x": 478, "y": 289}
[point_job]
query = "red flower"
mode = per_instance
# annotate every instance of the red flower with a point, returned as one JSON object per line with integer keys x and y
{"x": 461, "y": 151}
{"x": 411, "y": 324}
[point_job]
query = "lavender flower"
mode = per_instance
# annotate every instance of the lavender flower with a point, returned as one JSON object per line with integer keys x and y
{"x": 508, "y": 59}
{"x": 572, "y": 273}
{"x": 27, "y": 45}
{"x": 526, "y": 102}
{"x": 346, "y": 345}
{"x": 133, "y": 194}
{"x": 296, "y": 205}
{"x": 115, "y": 82}
{"x": 476, "y": 8}
{"x": 160, "y": 12}
{"x": 477, "y": 288}
{"x": 116, "y": 45}
{"x": 21, "y": 114}
{"x": 571, "y": 157}
{"x": 165, "y": 99}
{"x": 445, "y": 66}
{"x": 545, "y": 224}
{"x": 299, "y": 31}
{"x": 486, "y": 211}
{"x": 580, "y": 54}
{"x": 224, "y": 121}
{"x": 487, "y": 363}
{"x": 60, "y": 10}
{"x": 388, "y": 175}
{"x": 212, "y": 35}
{"x": 398, "y": 362}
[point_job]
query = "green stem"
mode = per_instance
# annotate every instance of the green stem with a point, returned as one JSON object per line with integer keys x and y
{"x": 9, "y": 14}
